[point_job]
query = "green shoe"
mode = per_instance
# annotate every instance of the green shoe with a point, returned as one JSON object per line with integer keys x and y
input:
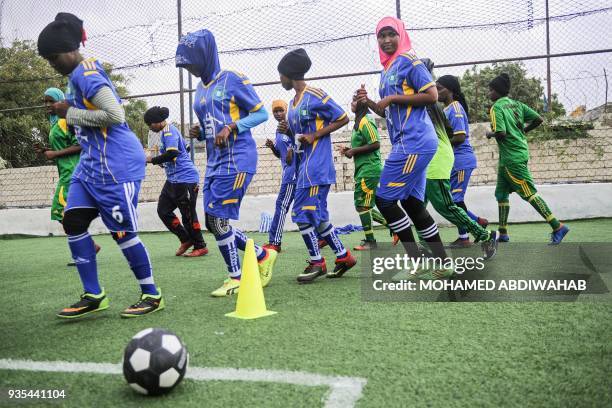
{"x": 147, "y": 304}
{"x": 88, "y": 304}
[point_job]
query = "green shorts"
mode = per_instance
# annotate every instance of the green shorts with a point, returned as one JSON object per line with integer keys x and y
{"x": 514, "y": 177}
{"x": 59, "y": 201}
{"x": 365, "y": 191}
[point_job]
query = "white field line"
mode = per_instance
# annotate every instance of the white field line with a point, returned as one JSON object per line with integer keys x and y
{"x": 344, "y": 391}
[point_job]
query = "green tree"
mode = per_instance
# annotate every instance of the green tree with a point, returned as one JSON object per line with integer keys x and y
{"x": 24, "y": 77}
{"x": 529, "y": 90}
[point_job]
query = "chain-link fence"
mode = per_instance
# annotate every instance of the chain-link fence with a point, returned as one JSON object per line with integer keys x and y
{"x": 566, "y": 45}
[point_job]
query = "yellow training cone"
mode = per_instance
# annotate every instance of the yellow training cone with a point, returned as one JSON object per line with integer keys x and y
{"x": 251, "y": 303}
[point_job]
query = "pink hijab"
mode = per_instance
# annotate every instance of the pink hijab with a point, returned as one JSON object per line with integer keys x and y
{"x": 404, "y": 41}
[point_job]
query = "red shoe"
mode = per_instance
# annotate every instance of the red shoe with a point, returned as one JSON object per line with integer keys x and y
{"x": 483, "y": 222}
{"x": 196, "y": 252}
{"x": 277, "y": 248}
{"x": 396, "y": 239}
{"x": 366, "y": 245}
{"x": 322, "y": 243}
{"x": 342, "y": 265}
{"x": 460, "y": 243}
{"x": 183, "y": 248}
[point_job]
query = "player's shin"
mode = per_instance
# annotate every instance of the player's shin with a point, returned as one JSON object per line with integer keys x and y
{"x": 138, "y": 258}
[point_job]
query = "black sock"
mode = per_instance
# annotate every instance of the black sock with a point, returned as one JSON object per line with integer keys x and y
{"x": 425, "y": 225}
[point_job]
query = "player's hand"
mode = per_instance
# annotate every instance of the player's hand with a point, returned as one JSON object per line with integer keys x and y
{"x": 49, "y": 154}
{"x": 61, "y": 108}
{"x": 222, "y": 137}
{"x": 490, "y": 135}
{"x": 283, "y": 127}
{"x": 346, "y": 152}
{"x": 149, "y": 157}
{"x": 308, "y": 138}
{"x": 289, "y": 158}
{"x": 194, "y": 132}
{"x": 361, "y": 95}
{"x": 39, "y": 149}
{"x": 269, "y": 144}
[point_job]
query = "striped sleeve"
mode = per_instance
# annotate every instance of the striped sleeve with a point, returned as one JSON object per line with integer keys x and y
{"x": 497, "y": 119}
{"x": 368, "y": 130}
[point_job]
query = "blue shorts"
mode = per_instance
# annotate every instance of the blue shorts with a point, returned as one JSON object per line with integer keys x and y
{"x": 403, "y": 176}
{"x": 310, "y": 205}
{"x": 116, "y": 203}
{"x": 223, "y": 194}
{"x": 460, "y": 178}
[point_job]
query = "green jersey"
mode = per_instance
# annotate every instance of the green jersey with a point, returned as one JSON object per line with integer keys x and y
{"x": 368, "y": 164}
{"x": 61, "y": 138}
{"x": 440, "y": 166}
{"x": 509, "y": 116}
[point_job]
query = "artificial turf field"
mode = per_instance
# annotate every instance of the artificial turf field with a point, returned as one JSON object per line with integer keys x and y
{"x": 538, "y": 354}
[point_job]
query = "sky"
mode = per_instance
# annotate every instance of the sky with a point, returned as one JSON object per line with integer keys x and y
{"x": 339, "y": 37}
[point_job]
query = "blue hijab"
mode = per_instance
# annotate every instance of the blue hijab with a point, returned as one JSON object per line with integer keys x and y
{"x": 58, "y": 96}
{"x": 199, "y": 49}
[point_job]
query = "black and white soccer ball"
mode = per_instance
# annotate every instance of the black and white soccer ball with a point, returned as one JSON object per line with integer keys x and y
{"x": 155, "y": 361}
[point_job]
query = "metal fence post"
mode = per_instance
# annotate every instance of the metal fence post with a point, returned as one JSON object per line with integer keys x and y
{"x": 548, "y": 79}
{"x": 181, "y": 92}
{"x": 398, "y": 11}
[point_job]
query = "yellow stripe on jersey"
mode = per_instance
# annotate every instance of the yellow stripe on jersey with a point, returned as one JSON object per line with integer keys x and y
{"x": 341, "y": 117}
{"x": 457, "y": 190}
{"x": 459, "y": 132}
{"x": 60, "y": 196}
{"x": 257, "y": 107}
{"x": 246, "y": 82}
{"x": 417, "y": 62}
{"x": 326, "y": 99}
{"x": 61, "y": 123}
{"x": 394, "y": 184}
{"x": 407, "y": 91}
{"x": 426, "y": 86}
{"x": 493, "y": 119}
{"x": 88, "y": 104}
{"x": 521, "y": 183}
{"x": 234, "y": 111}
{"x": 88, "y": 73}
{"x": 365, "y": 188}
{"x": 229, "y": 201}
{"x": 171, "y": 148}
{"x": 309, "y": 207}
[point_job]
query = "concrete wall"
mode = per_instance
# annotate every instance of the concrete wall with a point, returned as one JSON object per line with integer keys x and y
{"x": 25, "y": 194}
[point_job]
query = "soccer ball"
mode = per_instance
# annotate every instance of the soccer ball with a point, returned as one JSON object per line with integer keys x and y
{"x": 155, "y": 361}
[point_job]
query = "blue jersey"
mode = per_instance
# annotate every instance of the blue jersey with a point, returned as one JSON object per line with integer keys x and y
{"x": 282, "y": 144}
{"x": 410, "y": 128}
{"x": 464, "y": 154}
{"x": 181, "y": 169}
{"x": 226, "y": 99}
{"x": 111, "y": 154}
{"x": 314, "y": 110}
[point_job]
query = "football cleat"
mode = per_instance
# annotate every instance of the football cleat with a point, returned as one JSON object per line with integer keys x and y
{"x": 557, "y": 236}
{"x": 147, "y": 304}
{"x": 489, "y": 247}
{"x": 396, "y": 239}
{"x": 88, "y": 304}
{"x": 266, "y": 266}
{"x": 435, "y": 274}
{"x": 183, "y": 248}
{"x": 312, "y": 271}
{"x": 503, "y": 237}
{"x": 196, "y": 252}
{"x": 230, "y": 287}
{"x": 366, "y": 245}
{"x": 275, "y": 247}
{"x": 342, "y": 265}
{"x": 460, "y": 243}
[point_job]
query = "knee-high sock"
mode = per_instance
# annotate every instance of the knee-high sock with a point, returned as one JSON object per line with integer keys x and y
{"x": 138, "y": 258}
{"x": 399, "y": 223}
{"x": 241, "y": 240}
{"x": 229, "y": 251}
{"x": 312, "y": 242}
{"x": 328, "y": 233}
{"x": 366, "y": 223}
{"x": 541, "y": 207}
{"x": 425, "y": 225}
{"x": 84, "y": 255}
{"x": 504, "y": 210}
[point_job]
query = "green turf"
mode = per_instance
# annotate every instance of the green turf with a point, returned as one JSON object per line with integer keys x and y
{"x": 412, "y": 354}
